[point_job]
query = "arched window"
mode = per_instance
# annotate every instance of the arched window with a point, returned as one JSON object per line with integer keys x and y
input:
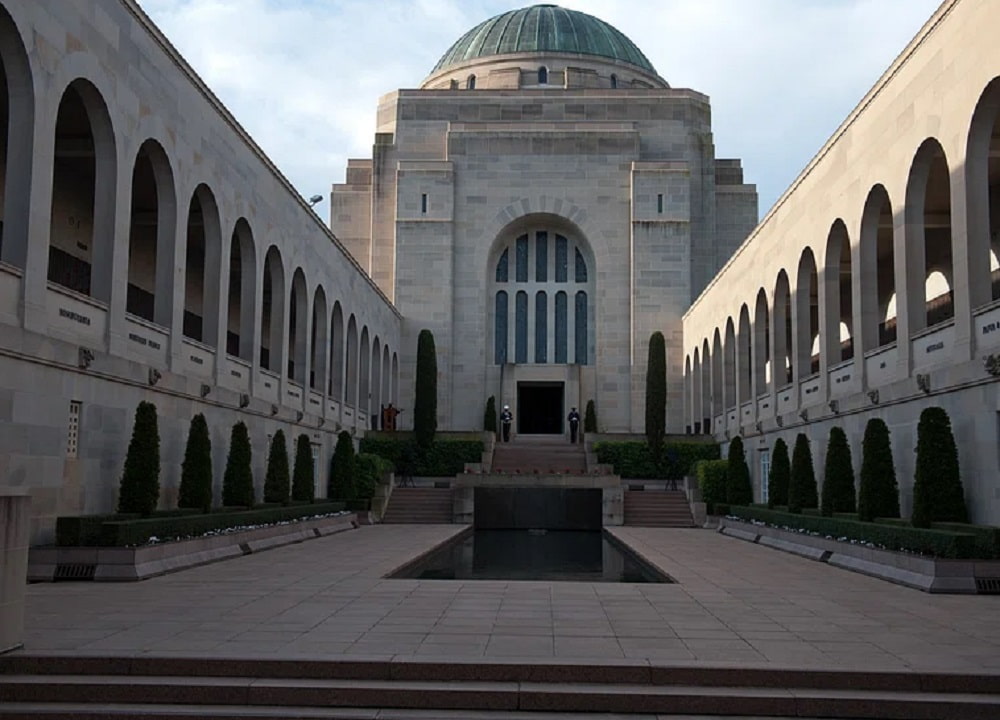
{"x": 581, "y": 328}
{"x": 561, "y": 353}
{"x": 502, "y": 268}
{"x": 543, "y": 75}
{"x": 471, "y": 82}
{"x": 521, "y": 327}
{"x": 541, "y": 327}
{"x": 614, "y": 81}
{"x": 500, "y": 328}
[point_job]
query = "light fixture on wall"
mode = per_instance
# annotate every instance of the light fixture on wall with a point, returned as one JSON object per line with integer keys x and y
{"x": 315, "y": 200}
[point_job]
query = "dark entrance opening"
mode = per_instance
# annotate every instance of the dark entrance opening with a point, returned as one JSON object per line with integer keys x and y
{"x": 540, "y": 408}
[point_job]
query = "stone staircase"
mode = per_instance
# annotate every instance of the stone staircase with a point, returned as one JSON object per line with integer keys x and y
{"x": 657, "y": 508}
{"x": 409, "y": 687}
{"x": 541, "y": 454}
{"x": 419, "y": 505}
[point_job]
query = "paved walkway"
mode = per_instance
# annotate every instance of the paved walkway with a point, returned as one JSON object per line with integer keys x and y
{"x": 735, "y": 603}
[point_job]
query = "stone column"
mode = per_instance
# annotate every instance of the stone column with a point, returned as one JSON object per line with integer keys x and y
{"x": 15, "y": 504}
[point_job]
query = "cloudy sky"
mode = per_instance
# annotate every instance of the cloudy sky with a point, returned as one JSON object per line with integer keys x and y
{"x": 304, "y": 76}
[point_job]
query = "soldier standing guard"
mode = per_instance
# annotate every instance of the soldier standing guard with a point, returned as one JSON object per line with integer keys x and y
{"x": 574, "y": 424}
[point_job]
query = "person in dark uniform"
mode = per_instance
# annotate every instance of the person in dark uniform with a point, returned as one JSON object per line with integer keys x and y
{"x": 506, "y": 418}
{"x": 574, "y": 424}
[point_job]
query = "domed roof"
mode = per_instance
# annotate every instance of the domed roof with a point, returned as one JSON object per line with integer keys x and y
{"x": 543, "y": 28}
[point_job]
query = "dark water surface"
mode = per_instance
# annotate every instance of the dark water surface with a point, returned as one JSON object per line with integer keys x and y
{"x": 555, "y": 555}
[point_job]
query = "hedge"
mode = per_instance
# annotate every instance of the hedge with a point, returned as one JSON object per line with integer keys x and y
{"x": 85, "y": 530}
{"x": 369, "y": 470}
{"x": 633, "y": 459}
{"x": 125, "y": 533}
{"x": 444, "y": 458}
{"x": 987, "y": 536}
{"x": 711, "y": 476}
{"x": 937, "y": 543}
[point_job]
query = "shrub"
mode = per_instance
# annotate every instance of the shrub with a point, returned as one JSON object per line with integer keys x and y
{"x": 878, "y": 494}
{"x": 196, "y": 470}
{"x": 590, "y": 418}
{"x": 368, "y": 473}
{"x": 633, "y": 459}
{"x": 237, "y": 483}
{"x": 425, "y": 399}
{"x": 711, "y": 476}
{"x": 779, "y": 475}
{"x": 939, "y": 543}
{"x": 739, "y": 490}
{"x": 304, "y": 473}
{"x": 937, "y": 487}
{"x": 443, "y": 458}
{"x": 276, "y": 480}
{"x": 656, "y": 393}
{"x": 838, "y": 476}
{"x": 802, "y": 483}
{"x": 140, "y": 484}
{"x": 342, "y": 470}
{"x": 490, "y": 415}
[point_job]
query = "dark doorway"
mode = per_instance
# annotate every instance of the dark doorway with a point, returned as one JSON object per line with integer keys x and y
{"x": 540, "y": 408}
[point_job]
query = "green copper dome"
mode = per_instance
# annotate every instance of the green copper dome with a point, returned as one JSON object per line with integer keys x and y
{"x": 543, "y": 28}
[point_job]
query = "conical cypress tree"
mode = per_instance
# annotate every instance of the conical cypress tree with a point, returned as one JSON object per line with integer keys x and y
{"x": 237, "y": 482}
{"x": 739, "y": 490}
{"x": 490, "y": 415}
{"x": 802, "y": 484}
{"x": 276, "y": 479}
{"x": 590, "y": 418}
{"x": 656, "y": 394}
{"x": 341, "y": 486}
{"x": 196, "y": 470}
{"x": 303, "y": 482}
{"x": 140, "y": 484}
{"x": 838, "y": 475}
{"x": 425, "y": 399}
{"x": 937, "y": 488}
{"x": 878, "y": 493}
{"x": 778, "y": 478}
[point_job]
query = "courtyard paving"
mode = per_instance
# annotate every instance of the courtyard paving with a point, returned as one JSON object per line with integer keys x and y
{"x": 734, "y": 603}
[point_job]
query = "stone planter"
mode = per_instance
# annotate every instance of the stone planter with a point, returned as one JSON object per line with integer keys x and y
{"x": 49, "y": 563}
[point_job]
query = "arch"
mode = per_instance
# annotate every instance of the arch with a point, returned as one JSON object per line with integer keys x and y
{"x": 928, "y": 224}
{"x": 377, "y": 401}
{"x": 202, "y": 267}
{"x": 351, "y": 381}
{"x": 718, "y": 373}
{"x": 695, "y": 392}
{"x": 84, "y": 181}
{"x": 706, "y": 388}
{"x": 837, "y": 289}
{"x": 744, "y": 359}
{"x": 784, "y": 343}
{"x": 336, "y": 388}
{"x": 152, "y": 233}
{"x": 763, "y": 371}
{"x": 17, "y": 121}
{"x": 470, "y": 82}
{"x": 319, "y": 343}
{"x": 298, "y": 306}
{"x": 877, "y": 270}
{"x": 543, "y": 75}
{"x": 806, "y": 325}
{"x": 688, "y": 380}
{"x": 395, "y": 379}
{"x": 364, "y": 373}
{"x": 386, "y": 375}
{"x": 614, "y": 81}
{"x": 729, "y": 367}
{"x": 982, "y": 173}
{"x": 242, "y": 292}
{"x": 272, "y": 311}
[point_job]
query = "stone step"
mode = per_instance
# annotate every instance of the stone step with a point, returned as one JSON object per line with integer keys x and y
{"x": 472, "y": 695}
{"x": 419, "y": 506}
{"x": 657, "y": 508}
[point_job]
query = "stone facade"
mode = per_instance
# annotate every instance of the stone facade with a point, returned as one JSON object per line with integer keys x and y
{"x": 150, "y": 251}
{"x": 871, "y": 289}
{"x": 598, "y": 152}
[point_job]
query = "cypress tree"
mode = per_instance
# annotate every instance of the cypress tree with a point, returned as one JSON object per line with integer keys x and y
{"x": 196, "y": 470}
{"x": 590, "y": 418}
{"x": 490, "y": 415}
{"x": 778, "y": 477}
{"x": 237, "y": 483}
{"x": 303, "y": 482}
{"x": 739, "y": 490}
{"x": 425, "y": 400}
{"x": 656, "y": 394}
{"x": 878, "y": 494}
{"x": 341, "y": 486}
{"x": 140, "y": 483}
{"x": 937, "y": 488}
{"x": 838, "y": 475}
{"x": 276, "y": 479}
{"x": 802, "y": 483}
